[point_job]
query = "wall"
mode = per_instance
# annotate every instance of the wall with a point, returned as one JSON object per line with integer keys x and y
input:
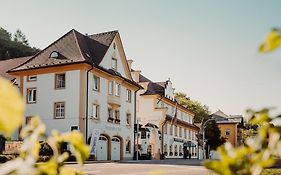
{"x": 232, "y": 138}
{"x": 47, "y": 96}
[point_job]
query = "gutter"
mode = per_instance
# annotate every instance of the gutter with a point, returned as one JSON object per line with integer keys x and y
{"x": 87, "y": 104}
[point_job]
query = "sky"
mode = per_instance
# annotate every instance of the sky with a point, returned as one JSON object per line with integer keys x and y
{"x": 208, "y": 48}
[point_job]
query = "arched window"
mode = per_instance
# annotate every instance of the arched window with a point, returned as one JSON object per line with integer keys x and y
{"x": 171, "y": 150}
{"x": 180, "y": 150}
{"x": 54, "y": 54}
{"x": 176, "y": 150}
{"x": 165, "y": 149}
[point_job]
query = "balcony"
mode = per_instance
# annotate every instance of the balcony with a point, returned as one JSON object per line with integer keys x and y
{"x": 114, "y": 101}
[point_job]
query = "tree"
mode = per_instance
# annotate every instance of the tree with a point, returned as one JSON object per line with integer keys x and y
{"x": 20, "y": 37}
{"x": 212, "y": 132}
{"x": 4, "y": 34}
{"x": 18, "y": 47}
{"x": 258, "y": 152}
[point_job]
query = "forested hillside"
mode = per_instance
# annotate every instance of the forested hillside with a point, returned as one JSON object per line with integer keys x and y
{"x": 16, "y": 45}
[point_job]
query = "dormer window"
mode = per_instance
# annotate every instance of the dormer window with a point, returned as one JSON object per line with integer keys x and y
{"x": 54, "y": 54}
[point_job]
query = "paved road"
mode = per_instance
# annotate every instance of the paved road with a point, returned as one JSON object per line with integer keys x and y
{"x": 141, "y": 169}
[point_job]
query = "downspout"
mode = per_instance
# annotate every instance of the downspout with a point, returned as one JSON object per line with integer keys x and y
{"x": 162, "y": 140}
{"x": 135, "y": 119}
{"x": 87, "y": 104}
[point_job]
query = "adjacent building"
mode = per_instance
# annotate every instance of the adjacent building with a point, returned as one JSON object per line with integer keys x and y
{"x": 83, "y": 82}
{"x": 230, "y": 126}
{"x": 166, "y": 127}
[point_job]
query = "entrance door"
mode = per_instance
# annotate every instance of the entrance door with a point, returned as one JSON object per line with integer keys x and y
{"x": 115, "y": 148}
{"x": 102, "y": 148}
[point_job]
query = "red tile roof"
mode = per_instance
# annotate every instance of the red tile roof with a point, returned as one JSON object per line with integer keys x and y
{"x": 6, "y": 65}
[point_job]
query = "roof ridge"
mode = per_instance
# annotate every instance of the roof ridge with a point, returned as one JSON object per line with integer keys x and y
{"x": 103, "y": 33}
{"x": 77, "y": 42}
{"x": 43, "y": 50}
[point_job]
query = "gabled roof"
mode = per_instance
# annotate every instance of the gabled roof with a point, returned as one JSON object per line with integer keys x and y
{"x": 219, "y": 113}
{"x": 154, "y": 88}
{"x": 143, "y": 79}
{"x": 73, "y": 47}
{"x": 6, "y": 65}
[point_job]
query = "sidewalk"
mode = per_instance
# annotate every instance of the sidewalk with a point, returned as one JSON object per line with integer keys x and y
{"x": 192, "y": 162}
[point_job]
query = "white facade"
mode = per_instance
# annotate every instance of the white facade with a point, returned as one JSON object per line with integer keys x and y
{"x": 78, "y": 97}
{"x": 154, "y": 109}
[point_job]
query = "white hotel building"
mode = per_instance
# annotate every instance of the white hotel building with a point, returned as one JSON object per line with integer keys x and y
{"x": 83, "y": 82}
{"x": 155, "y": 109}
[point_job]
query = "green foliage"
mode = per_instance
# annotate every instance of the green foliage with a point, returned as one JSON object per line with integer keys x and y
{"x": 17, "y": 47}
{"x": 11, "y": 109}
{"x": 256, "y": 154}
{"x": 212, "y": 132}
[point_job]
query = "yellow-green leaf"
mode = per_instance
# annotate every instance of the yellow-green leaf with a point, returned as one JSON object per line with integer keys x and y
{"x": 11, "y": 107}
{"x": 271, "y": 42}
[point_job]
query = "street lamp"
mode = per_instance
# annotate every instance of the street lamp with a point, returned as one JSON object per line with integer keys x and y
{"x": 203, "y": 125}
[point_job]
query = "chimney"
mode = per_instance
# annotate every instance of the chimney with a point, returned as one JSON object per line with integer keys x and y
{"x": 130, "y": 64}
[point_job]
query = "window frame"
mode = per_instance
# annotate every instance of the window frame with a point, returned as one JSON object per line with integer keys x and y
{"x": 28, "y": 119}
{"x": 57, "y": 83}
{"x": 114, "y": 61}
{"x": 117, "y": 116}
{"x": 110, "y": 88}
{"x": 97, "y": 115}
{"x": 98, "y": 83}
{"x": 110, "y": 116}
{"x": 128, "y": 95}
{"x": 31, "y": 89}
{"x": 130, "y": 120}
{"x": 227, "y": 132}
{"x": 117, "y": 89}
{"x": 29, "y": 78}
{"x": 55, "y": 110}
{"x": 128, "y": 145}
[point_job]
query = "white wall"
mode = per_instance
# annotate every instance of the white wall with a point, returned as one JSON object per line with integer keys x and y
{"x": 47, "y": 96}
{"x": 111, "y": 129}
{"x": 106, "y": 62}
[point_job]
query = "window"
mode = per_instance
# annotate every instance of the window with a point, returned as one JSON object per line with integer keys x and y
{"x": 128, "y": 146}
{"x": 117, "y": 116}
{"x": 96, "y": 83}
{"x": 227, "y": 132}
{"x": 96, "y": 111}
{"x": 185, "y": 134}
{"x": 180, "y": 132}
{"x": 171, "y": 150}
{"x": 129, "y": 95}
{"x": 59, "y": 110}
{"x": 114, "y": 63}
{"x": 31, "y": 95}
{"x": 28, "y": 119}
{"x": 110, "y": 115}
{"x": 60, "y": 81}
{"x": 176, "y": 150}
{"x": 31, "y": 78}
{"x": 166, "y": 128}
{"x": 54, "y": 54}
{"x": 114, "y": 46}
{"x": 128, "y": 119}
{"x": 74, "y": 128}
{"x": 118, "y": 89}
{"x": 176, "y": 131}
{"x": 171, "y": 130}
{"x": 110, "y": 88}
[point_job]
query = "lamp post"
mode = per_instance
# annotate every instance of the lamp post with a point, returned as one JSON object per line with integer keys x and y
{"x": 203, "y": 125}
